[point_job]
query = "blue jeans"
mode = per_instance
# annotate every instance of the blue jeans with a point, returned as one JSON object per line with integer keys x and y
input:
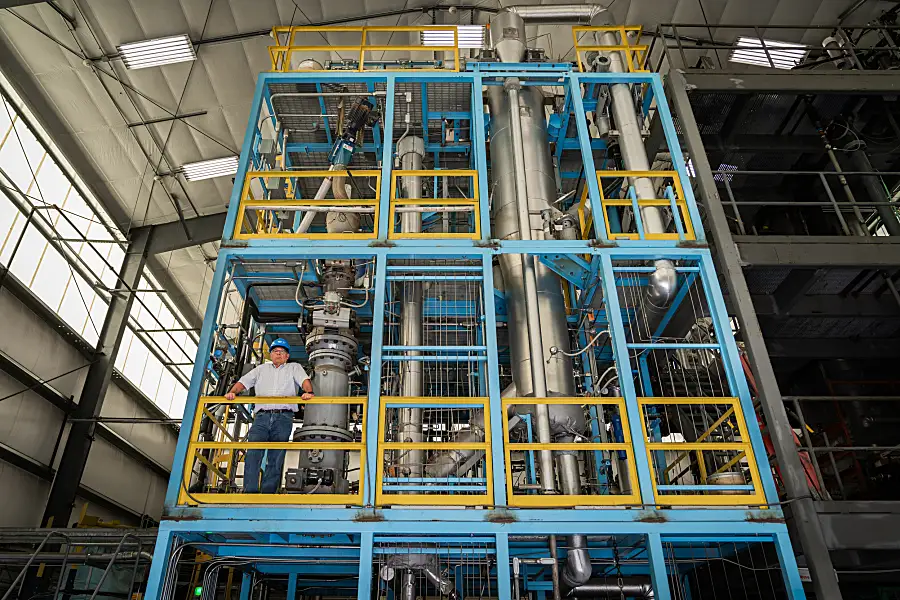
{"x": 267, "y": 427}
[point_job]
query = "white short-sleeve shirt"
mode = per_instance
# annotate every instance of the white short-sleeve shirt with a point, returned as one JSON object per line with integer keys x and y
{"x": 269, "y": 380}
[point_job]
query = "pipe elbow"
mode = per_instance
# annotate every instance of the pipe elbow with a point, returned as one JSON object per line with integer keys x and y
{"x": 578, "y": 569}
{"x": 662, "y": 284}
{"x": 578, "y": 563}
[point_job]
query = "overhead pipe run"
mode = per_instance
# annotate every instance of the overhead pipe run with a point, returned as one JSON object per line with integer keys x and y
{"x": 558, "y": 14}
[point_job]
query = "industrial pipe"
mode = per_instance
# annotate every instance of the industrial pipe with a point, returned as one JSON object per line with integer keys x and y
{"x": 524, "y": 186}
{"x": 532, "y": 317}
{"x": 621, "y": 587}
{"x": 341, "y": 221}
{"x": 558, "y": 14}
{"x": 663, "y": 283}
{"x": 411, "y": 150}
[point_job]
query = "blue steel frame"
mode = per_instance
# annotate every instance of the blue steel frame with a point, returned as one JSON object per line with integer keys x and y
{"x": 583, "y": 261}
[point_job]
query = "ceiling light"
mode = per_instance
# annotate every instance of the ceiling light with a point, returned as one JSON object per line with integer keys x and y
{"x": 469, "y": 36}
{"x": 207, "y": 169}
{"x": 784, "y": 55}
{"x": 161, "y": 51}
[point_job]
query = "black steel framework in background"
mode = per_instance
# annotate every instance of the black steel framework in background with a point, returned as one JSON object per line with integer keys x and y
{"x": 799, "y": 502}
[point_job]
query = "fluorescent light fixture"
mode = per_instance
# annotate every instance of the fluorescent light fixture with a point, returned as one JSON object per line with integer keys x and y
{"x": 469, "y": 36}
{"x": 207, "y": 169}
{"x": 784, "y": 55}
{"x": 161, "y": 51}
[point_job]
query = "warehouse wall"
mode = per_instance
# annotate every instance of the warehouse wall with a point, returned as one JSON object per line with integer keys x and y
{"x": 30, "y": 425}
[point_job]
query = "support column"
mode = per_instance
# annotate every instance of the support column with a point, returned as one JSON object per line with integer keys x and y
{"x": 78, "y": 445}
{"x": 801, "y": 505}
{"x": 658, "y": 573}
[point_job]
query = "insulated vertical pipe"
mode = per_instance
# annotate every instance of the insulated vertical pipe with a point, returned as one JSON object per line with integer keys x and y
{"x": 538, "y": 376}
{"x": 411, "y": 150}
{"x": 631, "y": 143}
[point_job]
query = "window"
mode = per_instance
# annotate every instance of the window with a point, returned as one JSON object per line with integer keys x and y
{"x": 73, "y": 277}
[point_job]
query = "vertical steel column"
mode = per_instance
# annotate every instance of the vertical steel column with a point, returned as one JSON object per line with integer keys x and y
{"x": 158, "y": 565}
{"x": 64, "y": 488}
{"x": 658, "y": 573}
{"x": 373, "y": 402}
{"x": 291, "y": 586}
{"x": 587, "y": 156}
{"x": 789, "y": 570}
{"x": 246, "y": 585}
{"x": 366, "y": 553}
{"x": 802, "y": 508}
{"x": 496, "y": 414}
{"x": 477, "y": 135}
{"x": 503, "y": 588}
{"x": 384, "y": 194}
{"x": 204, "y": 347}
{"x": 626, "y": 382}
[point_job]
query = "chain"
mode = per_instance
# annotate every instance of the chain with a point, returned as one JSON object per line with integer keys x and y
{"x": 619, "y": 579}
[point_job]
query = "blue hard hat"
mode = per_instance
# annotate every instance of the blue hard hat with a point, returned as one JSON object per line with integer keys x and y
{"x": 280, "y": 343}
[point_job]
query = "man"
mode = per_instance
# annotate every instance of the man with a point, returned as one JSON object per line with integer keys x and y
{"x": 271, "y": 422}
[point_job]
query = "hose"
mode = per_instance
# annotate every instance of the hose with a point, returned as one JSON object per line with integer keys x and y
{"x": 554, "y": 350}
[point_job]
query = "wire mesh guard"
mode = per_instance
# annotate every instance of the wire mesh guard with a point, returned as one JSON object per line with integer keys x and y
{"x": 434, "y": 342}
{"x": 628, "y": 217}
{"x": 620, "y": 566}
{"x": 435, "y": 430}
{"x": 218, "y": 447}
{"x": 698, "y": 443}
{"x": 672, "y": 342}
{"x": 447, "y": 206}
{"x": 699, "y": 446}
{"x": 738, "y": 570}
{"x": 435, "y": 452}
{"x": 589, "y": 435}
{"x": 273, "y": 206}
{"x": 424, "y": 568}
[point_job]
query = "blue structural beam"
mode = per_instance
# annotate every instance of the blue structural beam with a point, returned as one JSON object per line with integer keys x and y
{"x": 570, "y": 267}
{"x": 349, "y": 540}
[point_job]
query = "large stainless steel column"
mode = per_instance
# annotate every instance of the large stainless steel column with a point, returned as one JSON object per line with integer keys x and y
{"x": 411, "y": 150}
{"x": 333, "y": 355}
{"x": 526, "y": 113}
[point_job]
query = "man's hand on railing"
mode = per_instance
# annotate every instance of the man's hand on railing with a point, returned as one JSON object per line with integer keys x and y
{"x": 230, "y": 396}
{"x": 307, "y": 395}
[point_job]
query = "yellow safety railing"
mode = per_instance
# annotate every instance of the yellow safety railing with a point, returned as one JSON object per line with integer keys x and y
{"x": 569, "y": 500}
{"x": 196, "y": 447}
{"x": 281, "y": 54}
{"x": 706, "y": 495}
{"x": 264, "y": 228}
{"x": 634, "y": 53}
{"x": 446, "y": 496}
{"x": 677, "y": 204}
{"x": 465, "y": 204}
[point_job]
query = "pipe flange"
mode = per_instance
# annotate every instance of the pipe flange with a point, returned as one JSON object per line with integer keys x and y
{"x": 330, "y": 359}
{"x": 320, "y": 432}
{"x": 512, "y": 83}
{"x": 332, "y": 348}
